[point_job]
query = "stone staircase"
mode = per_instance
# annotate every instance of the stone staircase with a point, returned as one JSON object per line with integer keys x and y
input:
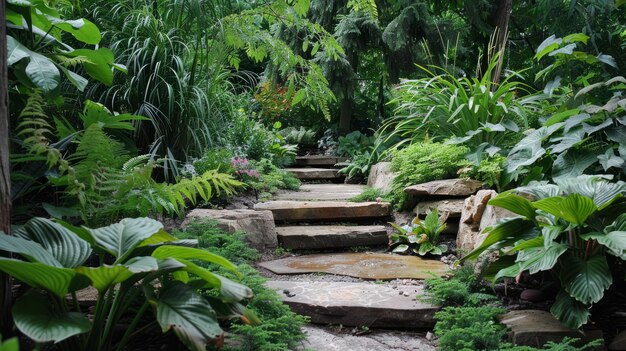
{"x": 384, "y": 289}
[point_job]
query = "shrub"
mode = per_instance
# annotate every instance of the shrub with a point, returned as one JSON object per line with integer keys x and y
{"x": 575, "y": 229}
{"x": 300, "y": 137}
{"x": 215, "y": 159}
{"x": 149, "y": 272}
{"x": 280, "y": 328}
{"x": 490, "y": 171}
{"x": 469, "y": 328}
{"x": 424, "y": 162}
{"x": 462, "y": 289}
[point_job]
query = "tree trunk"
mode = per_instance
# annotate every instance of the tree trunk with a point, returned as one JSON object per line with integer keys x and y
{"x": 345, "y": 117}
{"x": 6, "y": 324}
{"x": 499, "y": 20}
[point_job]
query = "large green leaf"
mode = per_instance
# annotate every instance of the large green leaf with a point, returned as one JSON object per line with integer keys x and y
{"x": 572, "y": 163}
{"x": 601, "y": 191}
{"x": 104, "y": 276}
{"x": 16, "y": 51}
{"x": 541, "y": 258}
{"x": 574, "y": 208}
{"x": 67, "y": 247}
{"x": 99, "y": 65}
{"x": 586, "y": 280}
{"x": 81, "y": 29}
{"x": 37, "y": 275}
{"x": 570, "y": 312}
{"x": 506, "y": 233}
{"x": 191, "y": 317}
{"x": 120, "y": 239}
{"x": 514, "y": 203}
{"x": 190, "y": 253}
{"x": 30, "y": 250}
{"x": 36, "y": 317}
{"x": 614, "y": 241}
{"x": 43, "y": 72}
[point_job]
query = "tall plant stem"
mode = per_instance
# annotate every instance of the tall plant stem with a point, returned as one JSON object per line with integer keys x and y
{"x": 132, "y": 326}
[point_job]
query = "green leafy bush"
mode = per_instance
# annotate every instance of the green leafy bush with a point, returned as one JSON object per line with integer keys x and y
{"x": 462, "y": 289}
{"x": 476, "y": 112}
{"x": 280, "y": 328}
{"x": 567, "y": 344}
{"x": 271, "y": 179}
{"x": 219, "y": 159}
{"x": 491, "y": 171}
{"x": 149, "y": 270}
{"x": 423, "y": 162}
{"x": 420, "y": 237}
{"x": 354, "y": 143}
{"x": 301, "y": 137}
{"x": 575, "y": 229}
{"x": 469, "y": 328}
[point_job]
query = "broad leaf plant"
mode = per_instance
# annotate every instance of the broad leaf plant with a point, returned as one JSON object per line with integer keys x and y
{"x": 574, "y": 229}
{"x": 140, "y": 268}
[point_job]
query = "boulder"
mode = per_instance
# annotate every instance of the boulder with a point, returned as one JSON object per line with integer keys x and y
{"x": 259, "y": 225}
{"x": 535, "y": 328}
{"x": 381, "y": 177}
{"x": 451, "y": 207}
{"x": 446, "y": 187}
{"x": 472, "y": 214}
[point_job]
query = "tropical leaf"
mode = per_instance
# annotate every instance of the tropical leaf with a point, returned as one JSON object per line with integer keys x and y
{"x": 541, "y": 258}
{"x": 120, "y": 239}
{"x": 37, "y": 318}
{"x": 29, "y": 249}
{"x": 514, "y": 203}
{"x": 58, "y": 281}
{"x": 180, "y": 308}
{"x": 574, "y": 208}
{"x": 586, "y": 280}
{"x": 190, "y": 253}
{"x": 66, "y": 246}
{"x": 506, "y": 233}
{"x": 570, "y": 312}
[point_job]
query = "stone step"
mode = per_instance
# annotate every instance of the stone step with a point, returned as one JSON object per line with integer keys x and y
{"x": 315, "y": 173}
{"x": 357, "y": 304}
{"x": 323, "y": 192}
{"x": 365, "y": 265}
{"x": 329, "y": 237}
{"x": 319, "y": 160}
{"x": 299, "y": 211}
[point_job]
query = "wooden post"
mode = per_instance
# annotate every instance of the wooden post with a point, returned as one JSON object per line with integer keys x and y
{"x": 6, "y": 324}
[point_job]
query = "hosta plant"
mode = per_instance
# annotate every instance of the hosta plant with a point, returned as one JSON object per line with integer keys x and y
{"x": 421, "y": 236}
{"x": 146, "y": 269}
{"x": 574, "y": 229}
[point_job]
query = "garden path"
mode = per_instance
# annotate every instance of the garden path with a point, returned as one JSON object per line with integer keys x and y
{"x": 340, "y": 272}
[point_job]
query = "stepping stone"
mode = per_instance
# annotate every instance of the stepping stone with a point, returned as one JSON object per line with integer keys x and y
{"x": 325, "y": 192}
{"x": 357, "y": 304}
{"x": 319, "y": 160}
{"x": 315, "y": 173}
{"x": 535, "y": 328}
{"x": 319, "y": 338}
{"x": 375, "y": 266}
{"x": 298, "y": 211}
{"x": 446, "y": 187}
{"x": 328, "y": 237}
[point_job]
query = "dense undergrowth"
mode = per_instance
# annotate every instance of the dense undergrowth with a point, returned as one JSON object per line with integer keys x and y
{"x": 280, "y": 329}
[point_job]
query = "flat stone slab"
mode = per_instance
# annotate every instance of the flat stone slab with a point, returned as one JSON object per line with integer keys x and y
{"x": 357, "y": 304}
{"x": 324, "y": 192}
{"x": 318, "y": 338}
{"x": 319, "y": 160}
{"x": 315, "y": 173}
{"x": 328, "y": 237}
{"x": 375, "y": 266}
{"x": 535, "y": 328}
{"x": 446, "y": 187}
{"x": 298, "y": 211}
{"x": 453, "y": 207}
